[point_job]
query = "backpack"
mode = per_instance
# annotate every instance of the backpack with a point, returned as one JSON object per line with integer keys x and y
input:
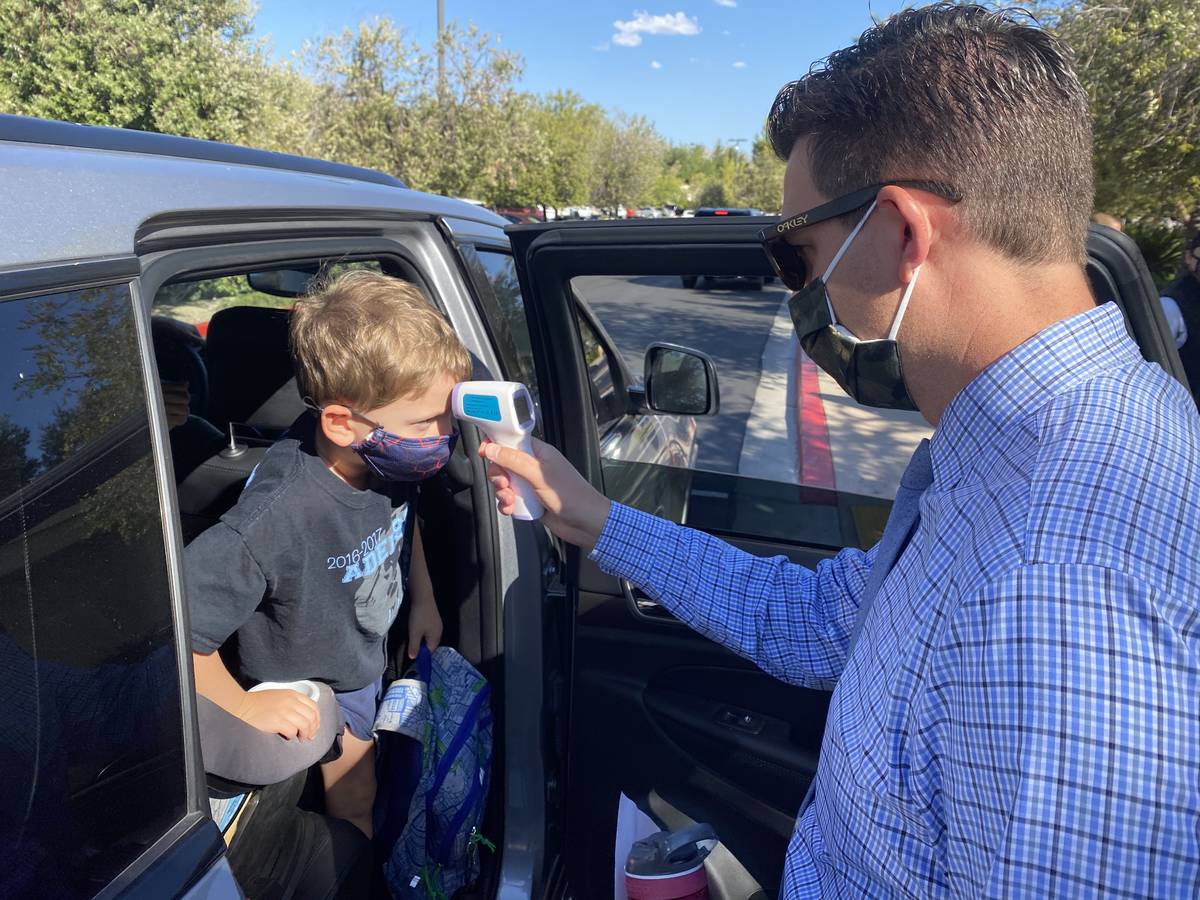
{"x": 434, "y": 730}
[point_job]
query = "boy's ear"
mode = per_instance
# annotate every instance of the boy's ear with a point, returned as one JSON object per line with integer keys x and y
{"x": 335, "y": 423}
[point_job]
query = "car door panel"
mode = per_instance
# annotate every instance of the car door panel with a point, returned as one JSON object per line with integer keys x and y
{"x": 658, "y": 712}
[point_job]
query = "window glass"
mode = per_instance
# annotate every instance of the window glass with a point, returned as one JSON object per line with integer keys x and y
{"x": 789, "y": 456}
{"x": 91, "y": 747}
{"x": 195, "y": 302}
{"x": 494, "y": 277}
{"x": 608, "y": 405}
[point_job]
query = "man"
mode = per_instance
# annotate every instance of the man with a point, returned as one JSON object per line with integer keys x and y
{"x": 1017, "y": 709}
{"x": 1184, "y": 295}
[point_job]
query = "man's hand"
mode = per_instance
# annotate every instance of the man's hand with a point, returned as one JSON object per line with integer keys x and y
{"x": 287, "y": 713}
{"x": 575, "y": 511}
{"x": 425, "y": 624}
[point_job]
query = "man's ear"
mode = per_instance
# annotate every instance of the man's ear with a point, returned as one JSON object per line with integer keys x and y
{"x": 335, "y": 423}
{"x": 913, "y": 208}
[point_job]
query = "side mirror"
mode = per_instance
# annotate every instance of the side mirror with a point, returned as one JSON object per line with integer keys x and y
{"x": 680, "y": 381}
{"x": 281, "y": 282}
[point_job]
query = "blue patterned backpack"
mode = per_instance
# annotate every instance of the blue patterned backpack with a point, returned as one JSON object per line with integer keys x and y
{"x": 434, "y": 729}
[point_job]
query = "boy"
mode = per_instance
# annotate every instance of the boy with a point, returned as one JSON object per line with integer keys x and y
{"x": 304, "y": 576}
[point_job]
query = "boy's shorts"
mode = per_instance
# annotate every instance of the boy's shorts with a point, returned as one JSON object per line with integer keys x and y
{"x": 359, "y": 708}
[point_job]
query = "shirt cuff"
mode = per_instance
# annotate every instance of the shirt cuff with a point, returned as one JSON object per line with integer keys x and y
{"x": 629, "y": 542}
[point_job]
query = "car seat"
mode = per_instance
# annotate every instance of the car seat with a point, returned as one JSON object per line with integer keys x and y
{"x": 251, "y": 381}
{"x": 252, "y": 401}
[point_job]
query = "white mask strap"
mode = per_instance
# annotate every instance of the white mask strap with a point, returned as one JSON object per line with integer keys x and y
{"x": 903, "y": 304}
{"x": 837, "y": 257}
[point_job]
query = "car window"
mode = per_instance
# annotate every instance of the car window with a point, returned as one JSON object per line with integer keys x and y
{"x": 607, "y": 405}
{"x": 92, "y": 740}
{"x": 789, "y": 456}
{"x": 196, "y": 301}
{"x": 494, "y": 278}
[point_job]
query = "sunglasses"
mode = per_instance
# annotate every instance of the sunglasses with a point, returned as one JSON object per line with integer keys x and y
{"x": 786, "y": 259}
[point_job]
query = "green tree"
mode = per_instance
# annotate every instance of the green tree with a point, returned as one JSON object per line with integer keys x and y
{"x": 1140, "y": 63}
{"x": 629, "y": 157}
{"x": 176, "y": 66}
{"x": 570, "y": 128}
{"x": 379, "y": 104}
{"x": 712, "y": 194}
{"x": 760, "y": 179}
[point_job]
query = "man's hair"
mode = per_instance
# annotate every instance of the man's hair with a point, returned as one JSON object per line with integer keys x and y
{"x": 983, "y": 100}
{"x": 366, "y": 340}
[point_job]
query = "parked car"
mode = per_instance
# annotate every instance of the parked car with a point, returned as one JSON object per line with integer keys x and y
{"x": 704, "y": 282}
{"x": 115, "y": 237}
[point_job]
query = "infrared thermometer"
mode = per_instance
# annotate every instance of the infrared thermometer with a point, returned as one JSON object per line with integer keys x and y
{"x": 503, "y": 410}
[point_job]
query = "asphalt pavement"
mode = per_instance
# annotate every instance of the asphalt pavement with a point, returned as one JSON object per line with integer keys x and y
{"x": 730, "y": 322}
{"x": 781, "y": 418}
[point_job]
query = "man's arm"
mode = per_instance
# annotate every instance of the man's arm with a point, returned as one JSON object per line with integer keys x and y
{"x": 791, "y": 621}
{"x": 1061, "y": 710}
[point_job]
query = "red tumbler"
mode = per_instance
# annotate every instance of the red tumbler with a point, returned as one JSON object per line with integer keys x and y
{"x": 670, "y": 866}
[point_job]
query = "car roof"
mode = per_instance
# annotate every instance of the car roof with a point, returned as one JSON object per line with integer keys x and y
{"x": 81, "y": 192}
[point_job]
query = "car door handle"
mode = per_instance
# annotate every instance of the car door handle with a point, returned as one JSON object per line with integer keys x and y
{"x": 645, "y": 608}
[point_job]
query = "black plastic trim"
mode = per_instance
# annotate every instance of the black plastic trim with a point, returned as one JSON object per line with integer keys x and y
{"x": 68, "y": 276}
{"x": 28, "y": 130}
{"x": 173, "y": 864}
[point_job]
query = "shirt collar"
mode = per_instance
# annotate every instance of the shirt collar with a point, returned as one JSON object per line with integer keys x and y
{"x": 1067, "y": 353}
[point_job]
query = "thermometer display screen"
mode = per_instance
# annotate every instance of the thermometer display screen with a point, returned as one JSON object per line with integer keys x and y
{"x": 524, "y": 413}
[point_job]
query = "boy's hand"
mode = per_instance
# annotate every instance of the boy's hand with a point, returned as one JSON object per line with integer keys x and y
{"x": 424, "y": 623}
{"x": 286, "y": 713}
{"x": 575, "y": 511}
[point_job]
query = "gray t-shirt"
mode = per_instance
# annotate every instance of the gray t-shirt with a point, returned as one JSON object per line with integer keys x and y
{"x": 304, "y": 576}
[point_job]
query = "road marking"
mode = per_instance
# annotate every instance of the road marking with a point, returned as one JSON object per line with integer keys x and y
{"x": 769, "y": 444}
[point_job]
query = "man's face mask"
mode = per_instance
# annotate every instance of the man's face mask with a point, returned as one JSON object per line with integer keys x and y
{"x": 869, "y": 371}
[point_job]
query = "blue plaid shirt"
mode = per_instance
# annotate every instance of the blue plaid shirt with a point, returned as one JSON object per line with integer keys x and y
{"x": 1021, "y": 714}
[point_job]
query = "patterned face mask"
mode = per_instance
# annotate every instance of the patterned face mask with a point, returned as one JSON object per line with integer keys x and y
{"x": 395, "y": 458}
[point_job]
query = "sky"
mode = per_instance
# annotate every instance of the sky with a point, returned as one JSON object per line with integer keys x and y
{"x": 701, "y": 70}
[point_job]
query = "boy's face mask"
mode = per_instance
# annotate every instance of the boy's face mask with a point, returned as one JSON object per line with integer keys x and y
{"x": 395, "y": 458}
{"x": 869, "y": 371}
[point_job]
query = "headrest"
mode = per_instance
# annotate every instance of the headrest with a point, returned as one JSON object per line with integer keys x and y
{"x": 239, "y": 752}
{"x": 250, "y": 369}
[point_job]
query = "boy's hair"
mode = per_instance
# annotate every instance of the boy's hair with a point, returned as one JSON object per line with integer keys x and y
{"x": 982, "y": 99}
{"x": 366, "y": 340}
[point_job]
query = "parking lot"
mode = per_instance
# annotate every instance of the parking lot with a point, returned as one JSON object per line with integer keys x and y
{"x": 781, "y": 418}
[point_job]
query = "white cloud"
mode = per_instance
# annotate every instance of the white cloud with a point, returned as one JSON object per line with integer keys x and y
{"x": 739, "y": 65}
{"x": 730, "y": 4}
{"x": 629, "y": 33}
{"x": 601, "y": 48}
{"x": 726, "y": 32}
{"x": 655, "y": 64}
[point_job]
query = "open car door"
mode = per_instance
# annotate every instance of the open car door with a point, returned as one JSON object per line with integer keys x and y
{"x": 789, "y": 467}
